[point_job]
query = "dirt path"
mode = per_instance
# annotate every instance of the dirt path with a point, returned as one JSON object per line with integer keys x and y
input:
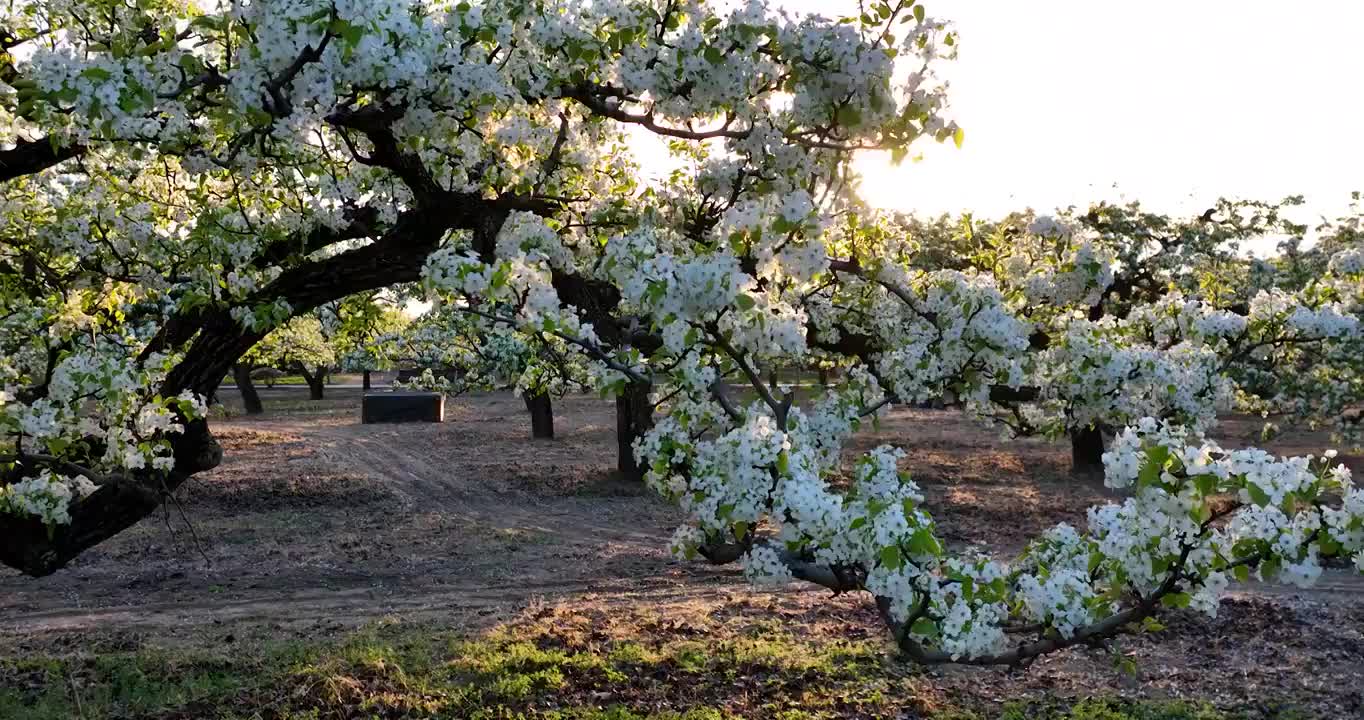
{"x": 318, "y": 519}
{"x": 315, "y": 521}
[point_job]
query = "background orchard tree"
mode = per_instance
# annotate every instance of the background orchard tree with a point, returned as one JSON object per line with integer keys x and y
{"x": 1198, "y": 324}
{"x": 353, "y": 324}
{"x": 1141, "y": 314}
{"x": 297, "y": 347}
{"x": 1298, "y": 261}
{"x": 300, "y": 346}
{"x": 461, "y": 351}
{"x": 1322, "y": 385}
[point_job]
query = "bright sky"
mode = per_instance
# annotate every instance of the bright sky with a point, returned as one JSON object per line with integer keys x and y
{"x": 1174, "y": 102}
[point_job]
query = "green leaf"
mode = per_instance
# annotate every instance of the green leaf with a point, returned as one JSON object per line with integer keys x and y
{"x": 1241, "y": 573}
{"x": 1257, "y": 495}
{"x": 1245, "y": 547}
{"x": 919, "y": 13}
{"x": 923, "y": 543}
{"x": 353, "y": 35}
{"x": 209, "y": 22}
{"x": 98, "y": 74}
{"x": 745, "y": 301}
{"x": 891, "y": 558}
{"x": 1175, "y": 600}
{"x": 713, "y": 55}
{"x": 1206, "y": 484}
{"x": 1154, "y": 465}
{"x": 958, "y": 137}
{"x": 925, "y": 627}
{"x": 1149, "y": 475}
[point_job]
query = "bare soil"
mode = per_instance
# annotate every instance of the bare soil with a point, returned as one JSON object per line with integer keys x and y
{"x": 315, "y": 524}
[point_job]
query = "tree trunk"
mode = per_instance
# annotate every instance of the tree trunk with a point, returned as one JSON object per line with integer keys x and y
{"x": 241, "y": 374}
{"x": 634, "y": 417}
{"x": 823, "y": 377}
{"x": 541, "y": 415}
{"x": 316, "y": 382}
{"x": 1087, "y": 450}
{"x": 365, "y": 380}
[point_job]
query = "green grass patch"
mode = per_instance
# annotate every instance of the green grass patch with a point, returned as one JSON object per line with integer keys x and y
{"x": 551, "y": 671}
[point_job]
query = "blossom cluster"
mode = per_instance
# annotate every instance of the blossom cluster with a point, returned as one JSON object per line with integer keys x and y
{"x": 47, "y": 496}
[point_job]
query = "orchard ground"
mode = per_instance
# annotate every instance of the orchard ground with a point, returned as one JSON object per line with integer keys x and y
{"x": 335, "y": 570}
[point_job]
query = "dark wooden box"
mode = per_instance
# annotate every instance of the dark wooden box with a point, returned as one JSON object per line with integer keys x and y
{"x": 398, "y": 407}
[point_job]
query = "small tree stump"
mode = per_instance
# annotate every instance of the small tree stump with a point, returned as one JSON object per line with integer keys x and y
{"x": 399, "y": 407}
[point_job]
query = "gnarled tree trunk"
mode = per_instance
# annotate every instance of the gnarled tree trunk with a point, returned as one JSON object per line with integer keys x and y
{"x": 541, "y": 415}
{"x": 241, "y": 374}
{"x": 634, "y": 417}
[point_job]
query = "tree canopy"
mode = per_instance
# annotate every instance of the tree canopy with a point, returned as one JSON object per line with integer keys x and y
{"x": 181, "y": 182}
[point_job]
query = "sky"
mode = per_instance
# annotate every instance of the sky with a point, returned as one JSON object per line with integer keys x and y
{"x": 1170, "y": 102}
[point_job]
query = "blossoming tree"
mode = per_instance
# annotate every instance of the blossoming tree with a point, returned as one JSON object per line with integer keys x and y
{"x": 1138, "y": 314}
{"x": 298, "y": 346}
{"x": 1323, "y": 385}
{"x": 180, "y": 183}
{"x": 354, "y": 324}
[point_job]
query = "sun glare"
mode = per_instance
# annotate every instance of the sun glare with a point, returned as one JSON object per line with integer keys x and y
{"x": 1173, "y": 103}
